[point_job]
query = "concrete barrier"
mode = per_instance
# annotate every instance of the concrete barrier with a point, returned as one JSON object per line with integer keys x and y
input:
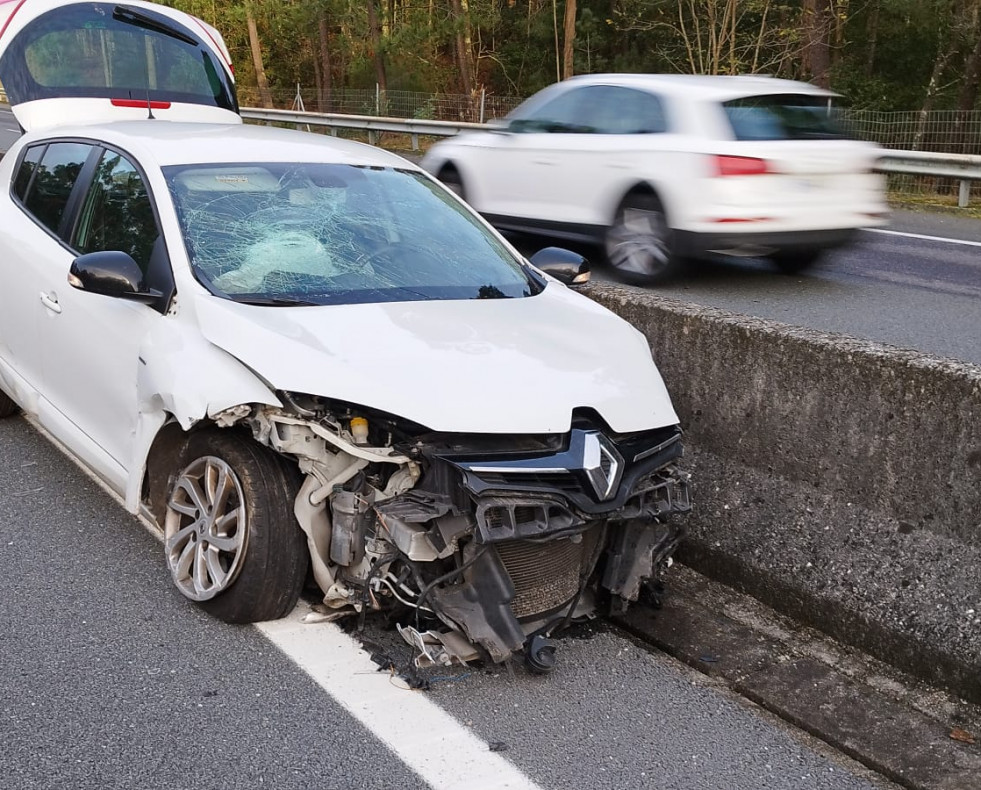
{"x": 833, "y": 478}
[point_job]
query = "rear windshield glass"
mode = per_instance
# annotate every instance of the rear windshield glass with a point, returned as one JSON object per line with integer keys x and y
{"x": 315, "y": 234}
{"x": 783, "y": 117}
{"x": 103, "y": 50}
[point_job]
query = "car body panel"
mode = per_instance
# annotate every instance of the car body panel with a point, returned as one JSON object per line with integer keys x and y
{"x": 508, "y": 366}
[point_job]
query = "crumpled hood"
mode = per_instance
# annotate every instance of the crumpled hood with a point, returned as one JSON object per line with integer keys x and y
{"x": 477, "y": 366}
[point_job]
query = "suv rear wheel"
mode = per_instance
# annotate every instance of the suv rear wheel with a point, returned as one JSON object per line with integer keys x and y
{"x": 639, "y": 245}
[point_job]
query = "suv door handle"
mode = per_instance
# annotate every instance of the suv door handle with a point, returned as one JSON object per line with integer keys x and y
{"x": 51, "y": 302}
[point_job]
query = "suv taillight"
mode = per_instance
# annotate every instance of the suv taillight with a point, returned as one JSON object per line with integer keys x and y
{"x": 740, "y": 166}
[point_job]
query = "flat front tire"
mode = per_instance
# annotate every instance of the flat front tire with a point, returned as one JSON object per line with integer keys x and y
{"x": 639, "y": 245}
{"x": 231, "y": 540}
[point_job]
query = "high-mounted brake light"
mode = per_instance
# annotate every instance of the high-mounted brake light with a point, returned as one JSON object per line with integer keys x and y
{"x": 153, "y": 105}
{"x": 740, "y": 166}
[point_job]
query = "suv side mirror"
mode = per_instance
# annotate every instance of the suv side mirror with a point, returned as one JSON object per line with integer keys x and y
{"x": 568, "y": 267}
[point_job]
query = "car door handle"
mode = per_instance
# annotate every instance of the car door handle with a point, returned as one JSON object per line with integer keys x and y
{"x": 543, "y": 162}
{"x": 51, "y": 302}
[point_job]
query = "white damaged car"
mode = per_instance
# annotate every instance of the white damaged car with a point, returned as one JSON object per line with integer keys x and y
{"x": 307, "y": 361}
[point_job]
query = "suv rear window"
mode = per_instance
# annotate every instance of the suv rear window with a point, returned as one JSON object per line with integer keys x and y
{"x": 782, "y": 117}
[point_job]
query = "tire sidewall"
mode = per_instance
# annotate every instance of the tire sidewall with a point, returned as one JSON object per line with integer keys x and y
{"x": 273, "y": 569}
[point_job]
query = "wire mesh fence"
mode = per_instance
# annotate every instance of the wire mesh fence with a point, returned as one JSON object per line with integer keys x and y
{"x": 480, "y": 107}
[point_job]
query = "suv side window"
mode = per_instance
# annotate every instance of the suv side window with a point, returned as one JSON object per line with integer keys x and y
{"x": 54, "y": 178}
{"x": 596, "y": 109}
{"x": 570, "y": 113}
{"x": 117, "y": 213}
{"x": 628, "y": 111}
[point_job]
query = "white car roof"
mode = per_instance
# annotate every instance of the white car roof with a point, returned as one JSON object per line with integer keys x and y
{"x": 705, "y": 86}
{"x": 170, "y": 143}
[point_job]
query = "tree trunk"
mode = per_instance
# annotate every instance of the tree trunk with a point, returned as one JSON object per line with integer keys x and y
{"x": 943, "y": 54}
{"x": 569, "y": 40}
{"x": 972, "y": 73}
{"x": 326, "y": 85}
{"x": 872, "y": 28}
{"x": 818, "y": 19}
{"x": 376, "y": 46}
{"x": 968, "y": 96}
{"x": 462, "y": 44}
{"x": 265, "y": 96}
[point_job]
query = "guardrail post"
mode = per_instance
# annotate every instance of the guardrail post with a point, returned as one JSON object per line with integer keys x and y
{"x": 371, "y": 137}
{"x": 964, "y": 195}
{"x": 415, "y": 142}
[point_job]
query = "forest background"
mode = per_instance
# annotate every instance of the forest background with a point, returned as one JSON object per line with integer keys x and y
{"x": 882, "y": 55}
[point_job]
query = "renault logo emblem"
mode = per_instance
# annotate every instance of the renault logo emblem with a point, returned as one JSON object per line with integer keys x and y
{"x": 602, "y": 464}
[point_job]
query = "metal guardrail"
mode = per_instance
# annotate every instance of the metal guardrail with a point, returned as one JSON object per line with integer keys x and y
{"x": 964, "y": 167}
{"x": 369, "y": 123}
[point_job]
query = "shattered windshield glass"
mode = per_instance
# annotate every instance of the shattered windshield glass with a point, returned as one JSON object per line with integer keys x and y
{"x": 288, "y": 233}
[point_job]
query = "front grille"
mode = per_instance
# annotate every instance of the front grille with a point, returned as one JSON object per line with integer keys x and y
{"x": 562, "y": 481}
{"x": 545, "y": 575}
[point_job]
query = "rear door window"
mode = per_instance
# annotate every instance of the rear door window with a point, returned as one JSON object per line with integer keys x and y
{"x": 782, "y": 117}
{"x": 54, "y": 179}
{"x": 26, "y": 169}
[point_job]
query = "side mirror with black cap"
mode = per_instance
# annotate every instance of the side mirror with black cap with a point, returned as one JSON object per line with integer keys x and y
{"x": 568, "y": 267}
{"x": 112, "y": 273}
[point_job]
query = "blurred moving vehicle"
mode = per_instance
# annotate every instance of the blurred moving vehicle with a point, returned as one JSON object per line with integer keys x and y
{"x": 662, "y": 168}
{"x": 309, "y": 362}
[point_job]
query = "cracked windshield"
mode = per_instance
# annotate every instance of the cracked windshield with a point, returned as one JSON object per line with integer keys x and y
{"x": 314, "y": 234}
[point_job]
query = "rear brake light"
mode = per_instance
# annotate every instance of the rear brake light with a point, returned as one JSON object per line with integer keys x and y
{"x": 740, "y": 166}
{"x": 153, "y": 105}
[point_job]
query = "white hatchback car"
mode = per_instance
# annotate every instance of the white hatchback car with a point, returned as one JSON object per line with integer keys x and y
{"x": 307, "y": 360}
{"x": 662, "y": 168}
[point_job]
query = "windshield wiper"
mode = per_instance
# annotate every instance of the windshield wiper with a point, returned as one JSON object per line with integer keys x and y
{"x": 140, "y": 19}
{"x": 274, "y": 301}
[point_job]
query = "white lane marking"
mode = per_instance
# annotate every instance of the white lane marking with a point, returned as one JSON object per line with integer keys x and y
{"x": 426, "y": 738}
{"x": 420, "y": 733}
{"x": 925, "y": 238}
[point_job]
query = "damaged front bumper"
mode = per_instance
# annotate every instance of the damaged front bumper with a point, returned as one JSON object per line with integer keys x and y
{"x": 481, "y": 547}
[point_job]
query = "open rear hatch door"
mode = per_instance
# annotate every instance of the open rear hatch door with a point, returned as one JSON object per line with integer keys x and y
{"x": 62, "y": 62}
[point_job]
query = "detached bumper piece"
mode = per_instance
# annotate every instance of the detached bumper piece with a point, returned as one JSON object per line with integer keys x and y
{"x": 538, "y": 540}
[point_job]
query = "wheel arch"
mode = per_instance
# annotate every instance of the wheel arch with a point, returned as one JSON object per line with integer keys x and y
{"x": 646, "y": 188}
{"x": 463, "y": 174}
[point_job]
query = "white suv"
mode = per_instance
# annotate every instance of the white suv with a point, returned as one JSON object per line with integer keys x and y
{"x": 660, "y": 168}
